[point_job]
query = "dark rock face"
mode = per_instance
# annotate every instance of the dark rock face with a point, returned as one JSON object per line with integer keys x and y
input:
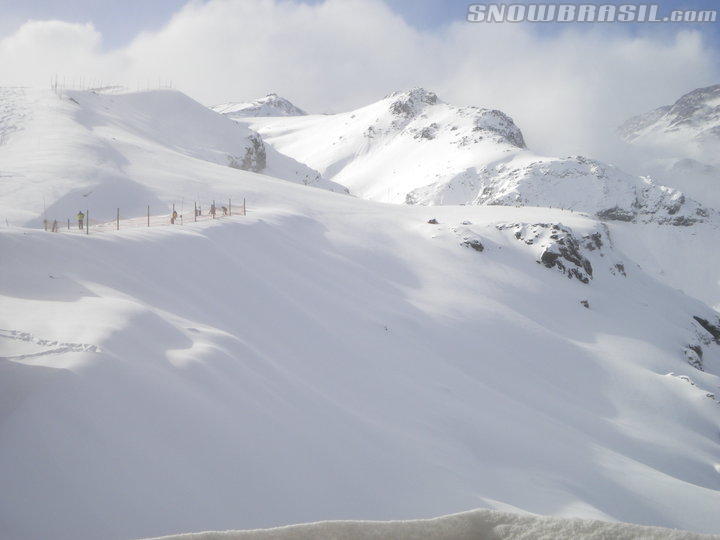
{"x": 710, "y": 328}
{"x": 616, "y": 214}
{"x": 433, "y": 221}
{"x": 694, "y": 356}
{"x": 474, "y": 244}
{"x": 564, "y": 250}
{"x": 568, "y": 251}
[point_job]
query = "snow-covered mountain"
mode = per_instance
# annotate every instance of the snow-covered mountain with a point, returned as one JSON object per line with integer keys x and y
{"x": 270, "y": 105}
{"x": 330, "y": 357}
{"x": 694, "y": 119}
{"x": 89, "y": 149}
{"x": 413, "y": 148}
{"x": 679, "y": 144}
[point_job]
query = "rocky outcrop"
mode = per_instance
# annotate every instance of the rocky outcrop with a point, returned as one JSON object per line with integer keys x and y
{"x": 255, "y": 157}
{"x": 560, "y": 248}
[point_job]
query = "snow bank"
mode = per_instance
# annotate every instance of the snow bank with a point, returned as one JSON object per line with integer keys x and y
{"x": 476, "y": 524}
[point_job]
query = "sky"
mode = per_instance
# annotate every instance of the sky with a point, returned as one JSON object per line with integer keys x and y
{"x": 566, "y": 85}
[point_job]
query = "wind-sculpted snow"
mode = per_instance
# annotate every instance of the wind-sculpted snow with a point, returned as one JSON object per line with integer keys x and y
{"x": 413, "y": 148}
{"x": 270, "y": 105}
{"x": 473, "y": 525}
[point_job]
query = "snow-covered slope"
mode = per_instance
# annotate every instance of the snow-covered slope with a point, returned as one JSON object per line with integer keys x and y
{"x": 270, "y": 105}
{"x": 679, "y": 144}
{"x": 327, "y": 357}
{"x": 694, "y": 119}
{"x": 473, "y": 525}
{"x": 412, "y": 148}
{"x": 89, "y": 150}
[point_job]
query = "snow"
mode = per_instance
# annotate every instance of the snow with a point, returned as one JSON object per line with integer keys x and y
{"x": 98, "y": 151}
{"x": 270, "y": 105}
{"x": 327, "y": 357}
{"x": 679, "y": 144}
{"x": 486, "y": 524}
{"x": 413, "y": 148}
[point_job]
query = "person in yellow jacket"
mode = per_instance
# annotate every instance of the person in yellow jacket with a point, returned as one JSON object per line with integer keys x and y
{"x": 81, "y": 219}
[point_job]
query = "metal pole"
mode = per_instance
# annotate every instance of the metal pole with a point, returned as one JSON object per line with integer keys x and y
{"x": 68, "y": 224}
{"x": 87, "y": 221}
{"x": 230, "y": 206}
{"x": 244, "y": 211}
{"x": 117, "y": 220}
{"x": 195, "y": 212}
{"x": 148, "y": 215}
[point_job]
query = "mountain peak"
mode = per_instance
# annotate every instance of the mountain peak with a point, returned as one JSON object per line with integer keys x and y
{"x": 270, "y": 105}
{"x": 410, "y": 102}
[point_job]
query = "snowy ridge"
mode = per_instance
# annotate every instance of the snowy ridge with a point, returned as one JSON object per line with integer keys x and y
{"x": 412, "y": 148}
{"x": 696, "y": 115}
{"x": 575, "y": 183}
{"x": 105, "y": 151}
{"x": 270, "y": 105}
{"x": 679, "y": 144}
{"x": 485, "y": 524}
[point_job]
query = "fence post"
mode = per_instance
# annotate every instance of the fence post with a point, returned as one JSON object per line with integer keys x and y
{"x": 148, "y": 215}
{"x": 117, "y": 220}
{"x": 87, "y": 221}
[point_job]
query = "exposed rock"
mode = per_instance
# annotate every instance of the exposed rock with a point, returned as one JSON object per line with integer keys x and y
{"x": 585, "y": 304}
{"x": 693, "y": 356}
{"x": 474, "y": 244}
{"x": 712, "y": 329}
{"x": 433, "y": 221}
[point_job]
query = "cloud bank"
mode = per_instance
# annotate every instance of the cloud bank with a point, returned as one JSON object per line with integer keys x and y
{"x": 567, "y": 90}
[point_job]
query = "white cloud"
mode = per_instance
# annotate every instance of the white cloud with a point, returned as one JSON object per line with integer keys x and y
{"x": 566, "y": 90}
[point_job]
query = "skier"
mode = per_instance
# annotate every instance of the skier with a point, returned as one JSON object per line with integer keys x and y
{"x": 212, "y": 210}
{"x": 224, "y": 209}
{"x": 81, "y": 219}
{"x": 174, "y": 217}
{"x": 55, "y": 226}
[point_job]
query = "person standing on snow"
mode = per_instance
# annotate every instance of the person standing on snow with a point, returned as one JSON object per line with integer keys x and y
{"x": 212, "y": 210}
{"x": 81, "y": 219}
{"x": 174, "y": 217}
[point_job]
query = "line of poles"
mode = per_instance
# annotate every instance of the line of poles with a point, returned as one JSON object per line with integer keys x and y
{"x": 84, "y": 220}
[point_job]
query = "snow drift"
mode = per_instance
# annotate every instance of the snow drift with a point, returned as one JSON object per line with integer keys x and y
{"x": 485, "y": 524}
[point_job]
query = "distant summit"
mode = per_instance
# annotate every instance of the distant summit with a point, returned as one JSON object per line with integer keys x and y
{"x": 695, "y": 116}
{"x": 270, "y": 105}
